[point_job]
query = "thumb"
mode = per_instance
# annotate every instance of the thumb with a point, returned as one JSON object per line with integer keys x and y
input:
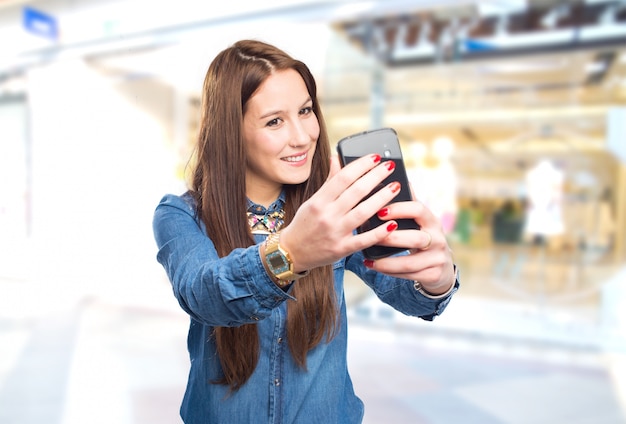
{"x": 335, "y": 166}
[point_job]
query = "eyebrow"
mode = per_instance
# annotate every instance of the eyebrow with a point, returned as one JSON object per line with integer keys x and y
{"x": 277, "y": 112}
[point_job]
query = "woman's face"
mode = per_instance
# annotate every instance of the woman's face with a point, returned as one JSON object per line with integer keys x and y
{"x": 280, "y": 132}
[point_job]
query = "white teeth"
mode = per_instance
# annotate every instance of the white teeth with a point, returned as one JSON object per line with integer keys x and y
{"x": 295, "y": 158}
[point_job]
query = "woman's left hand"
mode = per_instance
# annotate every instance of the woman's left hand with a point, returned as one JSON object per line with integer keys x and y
{"x": 430, "y": 258}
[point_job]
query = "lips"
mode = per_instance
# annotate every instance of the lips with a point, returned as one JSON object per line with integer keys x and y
{"x": 294, "y": 159}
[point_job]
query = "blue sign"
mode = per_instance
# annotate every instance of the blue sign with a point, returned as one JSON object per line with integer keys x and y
{"x": 40, "y": 23}
{"x": 477, "y": 46}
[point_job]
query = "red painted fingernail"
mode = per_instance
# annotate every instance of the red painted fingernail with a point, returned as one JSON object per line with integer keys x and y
{"x": 383, "y": 212}
{"x": 392, "y": 226}
{"x": 395, "y": 186}
{"x": 376, "y": 158}
{"x": 368, "y": 263}
{"x": 391, "y": 165}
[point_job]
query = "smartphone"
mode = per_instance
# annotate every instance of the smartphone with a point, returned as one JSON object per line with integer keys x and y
{"x": 383, "y": 141}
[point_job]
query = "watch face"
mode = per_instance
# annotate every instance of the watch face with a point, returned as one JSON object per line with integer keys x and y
{"x": 277, "y": 262}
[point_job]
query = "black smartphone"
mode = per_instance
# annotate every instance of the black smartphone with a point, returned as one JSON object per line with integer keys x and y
{"x": 383, "y": 141}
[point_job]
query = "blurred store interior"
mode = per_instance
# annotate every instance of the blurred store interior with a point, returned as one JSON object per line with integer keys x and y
{"x": 512, "y": 117}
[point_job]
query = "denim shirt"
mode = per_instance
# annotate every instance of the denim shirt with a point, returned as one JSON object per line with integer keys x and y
{"x": 236, "y": 290}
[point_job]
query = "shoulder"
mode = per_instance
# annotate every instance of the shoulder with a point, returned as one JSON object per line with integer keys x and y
{"x": 185, "y": 202}
{"x": 175, "y": 215}
{"x": 174, "y": 207}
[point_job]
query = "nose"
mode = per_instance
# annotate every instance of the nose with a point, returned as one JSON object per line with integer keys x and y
{"x": 299, "y": 135}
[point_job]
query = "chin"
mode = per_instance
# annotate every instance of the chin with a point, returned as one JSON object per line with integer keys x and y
{"x": 297, "y": 179}
{"x": 293, "y": 181}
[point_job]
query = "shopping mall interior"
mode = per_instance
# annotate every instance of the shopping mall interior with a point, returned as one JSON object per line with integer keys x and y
{"x": 512, "y": 120}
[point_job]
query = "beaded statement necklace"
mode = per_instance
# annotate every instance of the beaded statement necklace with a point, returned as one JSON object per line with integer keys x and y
{"x": 266, "y": 223}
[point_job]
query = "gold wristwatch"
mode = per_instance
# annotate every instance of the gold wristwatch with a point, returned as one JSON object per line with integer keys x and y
{"x": 278, "y": 263}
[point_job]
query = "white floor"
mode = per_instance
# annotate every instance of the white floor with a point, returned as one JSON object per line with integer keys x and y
{"x": 73, "y": 356}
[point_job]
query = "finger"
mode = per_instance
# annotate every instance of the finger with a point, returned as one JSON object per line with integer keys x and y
{"x": 414, "y": 210}
{"x": 368, "y": 185}
{"x": 415, "y": 198}
{"x": 428, "y": 243}
{"x": 429, "y": 275}
{"x": 372, "y": 237}
{"x": 340, "y": 180}
{"x": 415, "y": 241}
{"x": 371, "y": 204}
{"x": 429, "y": 268}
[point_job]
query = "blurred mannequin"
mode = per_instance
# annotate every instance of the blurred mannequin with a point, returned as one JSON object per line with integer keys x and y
{"x": 434, "y": 178}
{"x": 600, "y": 222}
{"x": 544, "y": 188}
{"x": 415, "y": 162}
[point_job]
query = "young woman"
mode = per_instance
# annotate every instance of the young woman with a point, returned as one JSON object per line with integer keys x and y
{"x": 257, "y": 248}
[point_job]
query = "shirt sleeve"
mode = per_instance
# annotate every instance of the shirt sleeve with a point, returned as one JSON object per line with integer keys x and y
{"x": 399, "y": 293}
{"x": 228, "y": 291}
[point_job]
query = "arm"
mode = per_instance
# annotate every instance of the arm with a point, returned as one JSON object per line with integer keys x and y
{"x": 228, "y": 291}
{"x": 400, "y": 293}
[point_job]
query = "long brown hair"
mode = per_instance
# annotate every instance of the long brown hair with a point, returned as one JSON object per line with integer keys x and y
{"x": 233, "y": 76}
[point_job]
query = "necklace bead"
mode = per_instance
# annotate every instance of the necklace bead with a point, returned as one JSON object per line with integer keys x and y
{"x": 266, "y": 223}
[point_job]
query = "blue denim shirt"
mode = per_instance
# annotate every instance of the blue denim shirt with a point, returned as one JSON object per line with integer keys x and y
{"x": 236, "y": 290}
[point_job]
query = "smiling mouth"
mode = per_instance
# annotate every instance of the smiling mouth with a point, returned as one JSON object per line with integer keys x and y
{"x": 295, "y": 158}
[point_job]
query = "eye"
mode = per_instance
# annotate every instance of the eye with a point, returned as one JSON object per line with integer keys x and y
{"x": 273, "y": 122}
{"x": 306, "y": 110}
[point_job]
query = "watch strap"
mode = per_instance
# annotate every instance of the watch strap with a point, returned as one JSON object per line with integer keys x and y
{"x": 277, "y": 262}
{"x": 418, "y": 286}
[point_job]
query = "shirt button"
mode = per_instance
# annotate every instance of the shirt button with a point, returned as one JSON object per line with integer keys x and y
{"x": 277, "y": 382}
{"x": 255, "y": 318}
{"x": 280, "y": 340}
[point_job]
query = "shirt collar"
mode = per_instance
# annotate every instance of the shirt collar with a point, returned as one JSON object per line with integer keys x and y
{"x": 277, "y": 205}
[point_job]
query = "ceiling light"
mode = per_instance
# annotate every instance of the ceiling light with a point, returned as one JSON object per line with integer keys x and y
{"x": 595, "y": 67}
{"x": 522, "y": 67}
{"x": 352, "y": 10}
{"x": 487, "y": 9}
{"x": 552, "y": 18}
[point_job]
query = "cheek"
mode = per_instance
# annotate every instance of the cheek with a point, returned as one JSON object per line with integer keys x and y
{"x": 263, "y": 144}
{"x": 314, "y": 129}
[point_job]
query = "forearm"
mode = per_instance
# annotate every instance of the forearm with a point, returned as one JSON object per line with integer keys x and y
{"x": 229, "y": 291}
{"x": 401, "y": 294}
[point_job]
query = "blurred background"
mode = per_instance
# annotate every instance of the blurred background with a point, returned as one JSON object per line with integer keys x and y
{"x": 512, "y": 116}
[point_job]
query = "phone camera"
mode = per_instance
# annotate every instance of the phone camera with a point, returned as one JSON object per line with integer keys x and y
{"x": 387, "y": 153}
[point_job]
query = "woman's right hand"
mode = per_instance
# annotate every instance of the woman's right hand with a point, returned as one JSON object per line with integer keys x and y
{"x": 322, "y": 231}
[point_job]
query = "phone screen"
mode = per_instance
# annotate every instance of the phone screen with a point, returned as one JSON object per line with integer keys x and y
{"x": 385, "y": 142}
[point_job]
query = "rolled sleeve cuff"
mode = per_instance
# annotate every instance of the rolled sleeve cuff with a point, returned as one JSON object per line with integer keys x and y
{"x": 263, "y": 289}
{"x": 440, "y": 304}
